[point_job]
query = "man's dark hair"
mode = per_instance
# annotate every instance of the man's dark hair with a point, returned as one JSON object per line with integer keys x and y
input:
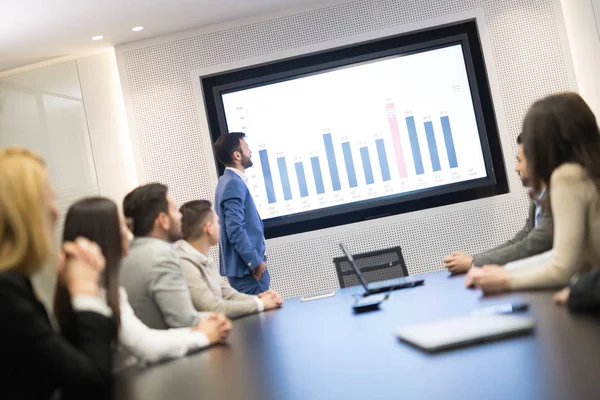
{"x": 226, "y": 145}
{"x": 193, "y": 216}
{"x": 143, "y": 205}
{"x": 519, "y": 140}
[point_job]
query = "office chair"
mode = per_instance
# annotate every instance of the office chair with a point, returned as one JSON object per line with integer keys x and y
{"x": 376, "y": 266}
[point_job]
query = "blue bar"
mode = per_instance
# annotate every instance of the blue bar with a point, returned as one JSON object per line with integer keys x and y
{"x": 285, "y": 180}
{"x": 383, "y": 161}
{"x": 301, "y": 179}
{"x": 333, "y": 170}
{"x": 316, "y": 167}
{"x": 414, "y": 144}
{"x": 349, "y": 164}
{"x": 266, "y": 170}
{"x": 433, "y": 151}
{"x": 449, "y": 141}
{"x": 366, "y": 160}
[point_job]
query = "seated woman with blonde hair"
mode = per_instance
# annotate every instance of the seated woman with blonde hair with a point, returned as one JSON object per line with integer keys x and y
{"x": 561, "y": 141}
{"x": 37, "y": 362}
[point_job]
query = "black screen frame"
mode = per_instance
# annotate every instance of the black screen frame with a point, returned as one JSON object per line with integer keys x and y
{"x": 465, "y": 33}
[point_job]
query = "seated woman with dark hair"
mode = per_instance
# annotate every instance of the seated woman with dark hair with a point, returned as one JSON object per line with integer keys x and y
{"x": 37, "y": 362}
{"x": 561, "y": 141}
{"x": 98, "y": 219}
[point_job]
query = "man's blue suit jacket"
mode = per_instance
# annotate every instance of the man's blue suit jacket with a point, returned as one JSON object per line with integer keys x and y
{"x": 242, "y": 241}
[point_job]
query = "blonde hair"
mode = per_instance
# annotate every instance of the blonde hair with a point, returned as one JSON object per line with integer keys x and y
{"x": 25, "y": 228}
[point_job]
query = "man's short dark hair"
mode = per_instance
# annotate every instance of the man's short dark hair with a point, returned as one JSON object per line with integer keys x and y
{"x": 519, "y": 140}
{"x": 226, "y": 145}
{"x": 193, "y": 216}
{"x": 143, "y": 205}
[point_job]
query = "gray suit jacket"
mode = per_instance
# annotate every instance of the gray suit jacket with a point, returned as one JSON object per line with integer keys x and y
{"x": 151, "y": 275}
{"x": 529, "y": 241}
{"x": 209, "y": 291}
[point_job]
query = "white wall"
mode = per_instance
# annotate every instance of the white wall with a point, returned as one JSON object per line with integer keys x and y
{"x": 527, "y": 57}
{"x": 583, "y": 31}
{"x": 596, "y": 4}
{"x": 43, "y": 110}
{"x": 107, "y": 124}
{"x": 72, "y": 114}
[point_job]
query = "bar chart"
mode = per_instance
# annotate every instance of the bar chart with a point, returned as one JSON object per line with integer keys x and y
{"x": 395, "y": 131}
{"x": 332, "y": 161}
{"x": 301, "y": 179}
{"x": 371, "y": 133}
{"x": 353, "y": 166}
{"x": 316, "y": 168}
{"x": 383, "y": 161}
{"x": 366, "y": 161}
{"x": 268, "y": 177}
{"x": 285, "y": 179}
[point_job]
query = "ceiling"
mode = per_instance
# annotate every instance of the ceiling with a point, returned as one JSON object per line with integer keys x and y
{"x": 36, "y": 30}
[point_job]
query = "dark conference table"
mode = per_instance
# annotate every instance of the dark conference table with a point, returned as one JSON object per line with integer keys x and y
{"x": 321, "y": 350}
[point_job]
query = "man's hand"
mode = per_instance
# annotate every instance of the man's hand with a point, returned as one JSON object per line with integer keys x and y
{"x": 561, "y": 297}
{"x": 216, "y": 328}
{"x": 259, "y": 271}
{"x": 458, "y": 262}
{"x": 271, "y": 292}
{"x": 271, "y": 299}
{"x": 489, "y": 278}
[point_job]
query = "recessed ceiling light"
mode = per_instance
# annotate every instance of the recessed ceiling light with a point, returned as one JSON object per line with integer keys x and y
{"x": 97, "y": 37}
{"x": 137, "y": 28}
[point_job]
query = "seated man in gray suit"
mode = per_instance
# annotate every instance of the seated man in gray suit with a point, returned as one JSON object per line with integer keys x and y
{"x": 200, "y": 227}
{"x": 151, "y": 273}
{"x": 534, "y": 238}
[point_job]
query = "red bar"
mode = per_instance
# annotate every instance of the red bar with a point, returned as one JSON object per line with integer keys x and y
{"x": 391, "y": 112}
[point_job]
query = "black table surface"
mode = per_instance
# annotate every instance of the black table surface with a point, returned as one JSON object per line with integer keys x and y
{"x": 320, "y": 350}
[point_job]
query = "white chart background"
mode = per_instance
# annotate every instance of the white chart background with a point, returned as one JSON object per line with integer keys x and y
{"x": 289, "y": 119}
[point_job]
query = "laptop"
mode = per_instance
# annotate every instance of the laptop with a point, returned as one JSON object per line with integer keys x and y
{"x": 381, "y": 286}
{"x": 463, "y": 331}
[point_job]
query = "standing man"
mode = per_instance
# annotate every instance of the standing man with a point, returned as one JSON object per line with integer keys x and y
{"x": 242, "y": 242}
{"x": 533, "y": 239}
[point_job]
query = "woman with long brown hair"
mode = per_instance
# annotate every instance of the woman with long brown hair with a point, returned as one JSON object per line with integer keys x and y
{"x": 561, "y": 141}
{"x": 97, "y": 219}
{"x": 37, "y": 362}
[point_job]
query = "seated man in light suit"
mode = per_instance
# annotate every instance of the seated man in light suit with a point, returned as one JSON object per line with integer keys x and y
{"x": 534, "y": 238}
{"x": 210, "y": 292}
{"x": 151, "y": 273}
{"x": 242, "y": 243}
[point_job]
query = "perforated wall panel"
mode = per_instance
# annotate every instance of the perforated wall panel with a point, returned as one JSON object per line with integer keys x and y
{"x": 525, "y": 43}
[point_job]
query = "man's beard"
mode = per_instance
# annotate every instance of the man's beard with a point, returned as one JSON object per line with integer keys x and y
{"x": 247, "y": 162}
{"x": 174, "y": 235}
